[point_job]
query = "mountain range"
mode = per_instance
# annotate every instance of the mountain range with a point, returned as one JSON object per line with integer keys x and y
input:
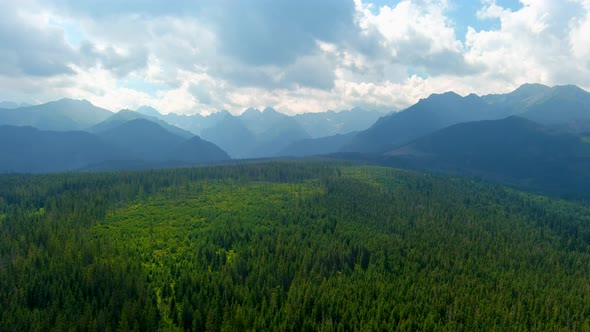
{"x": 555, "y": 107}
{"x": 534, "y": 137}
{"x": 512, "y": 150}
{"x": 138, "y": 143}
{"x": 61, "y": 115}
{"x": 266, "y": 133}
{"x": 77, "y": 135}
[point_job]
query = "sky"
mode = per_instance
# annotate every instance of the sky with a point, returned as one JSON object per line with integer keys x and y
{"x": 298, "y": 56}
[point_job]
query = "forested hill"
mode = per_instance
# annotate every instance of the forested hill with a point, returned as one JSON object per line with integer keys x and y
{"x": 287, "y": 246}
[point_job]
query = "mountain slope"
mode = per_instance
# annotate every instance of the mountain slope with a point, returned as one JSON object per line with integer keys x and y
{"x": 30, "y": 150}
{"x": 61, "y": 115}
{"x": 231, "y": 135}
{"x": 146, "y": 140}
{"x": 196, "y": 150}
{"x": 519, "y": 99}
{"x": 425, "y": 117}
{"x": 514, "y": 150}
{"x": 149, "y": 141}
{"x": 332, "y": 123}
{"x": 195, "y": 123}
{"x": 124, "y": 116}
{"x": 317, "y": 146}
{"x": 561, "y": 104}
{"x": 555, "y": 106}
{"x": 283, "y": 131}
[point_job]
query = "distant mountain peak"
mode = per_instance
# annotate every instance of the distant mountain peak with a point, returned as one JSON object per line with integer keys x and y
{"x": 250, "y": 111}
{"x": 73, "y": 101}
{"x": 569, "y": 88}
{"x": 445, "y": 97}
{"x": 269, "y": 109}
{"x": 148, "y": 110}
{"x": 529, "y": 88}
{"x": 126, "y": 110}
{"x": 533, "y": 86}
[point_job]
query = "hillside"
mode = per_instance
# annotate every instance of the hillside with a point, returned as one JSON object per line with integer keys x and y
{"x": 428, "y": 115}
{"x": 513, "y": 150}
{"x": 332, "y": 123}
{"x": 317, "y": 146}
{"x": 230, "y": 134}
{"x": 288, "y": 246}
{"x": 197, "y": 151}
{"x": 558, "y": 106}
{"x": 29, "y": 150}
{"x": 145, "y": 140}
{"x": 62, "y": 115}
{"x": 124, "y": 116}
{"x": 136, "y": 144}
{"x": 148, "y": 141}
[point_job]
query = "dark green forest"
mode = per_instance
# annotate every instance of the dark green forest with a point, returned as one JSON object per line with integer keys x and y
{"x": 288, "y": 246}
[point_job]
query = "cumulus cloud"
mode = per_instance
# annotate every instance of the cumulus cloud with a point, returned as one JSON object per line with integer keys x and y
{"x": 277, "y": 32}
{"x": 417, "y": 34}
{"x": 532, "y": 44}
{"x": 29, "y": 48}
{"x": 297, "y": 56}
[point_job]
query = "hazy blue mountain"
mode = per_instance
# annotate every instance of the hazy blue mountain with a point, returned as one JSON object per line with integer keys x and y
{"x": 428, "y": 115}
{"x": 251, "y": 114}
{"x": 30, "y": 150}
{"x": 150, "y": 111}
{"x": 195, "y": 123}
{"x": 275, "y": 132}
{"x": 124, "y": 116}
{"x": 561, "y": 104}
{"x": 149, "y": 141}
{"x": 317, "y": 146}
{"x": 231, "y": 135}
{"x": 254, "y": 134}
{"x": 198, "y": 123}
{"x": 520, "y": 99}
{"x": 315, "y": 124}
{"x": 331, "y": 123}
{"x": 558, "y": 105}
{"x": 514, "y": 150}
{"x": 61, "y": 115}
{"x": 190, "y": 123}
{"x": 259, "y": 123}
{"x": 146, "y": 140}
{"x": 197, "y": 150}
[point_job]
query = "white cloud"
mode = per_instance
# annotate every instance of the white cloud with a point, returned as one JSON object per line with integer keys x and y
{"x": 204, "y": 58}
{"x": 532, "y": 44}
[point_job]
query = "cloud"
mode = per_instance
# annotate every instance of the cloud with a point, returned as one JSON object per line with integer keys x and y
{"x": 417, "y": 34}
{"x": 532, "y": 44}
{"x": 108, "y": 8}
{"x": 120, "y": 62}
{"x": 203, "y": 56}
{"x": 202, "y": 92}
{"x": 28, "y": 48}
{"x": 580, "y": 38}
{"x": 277, "y": 32}
{"x": 313, "y": 71}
